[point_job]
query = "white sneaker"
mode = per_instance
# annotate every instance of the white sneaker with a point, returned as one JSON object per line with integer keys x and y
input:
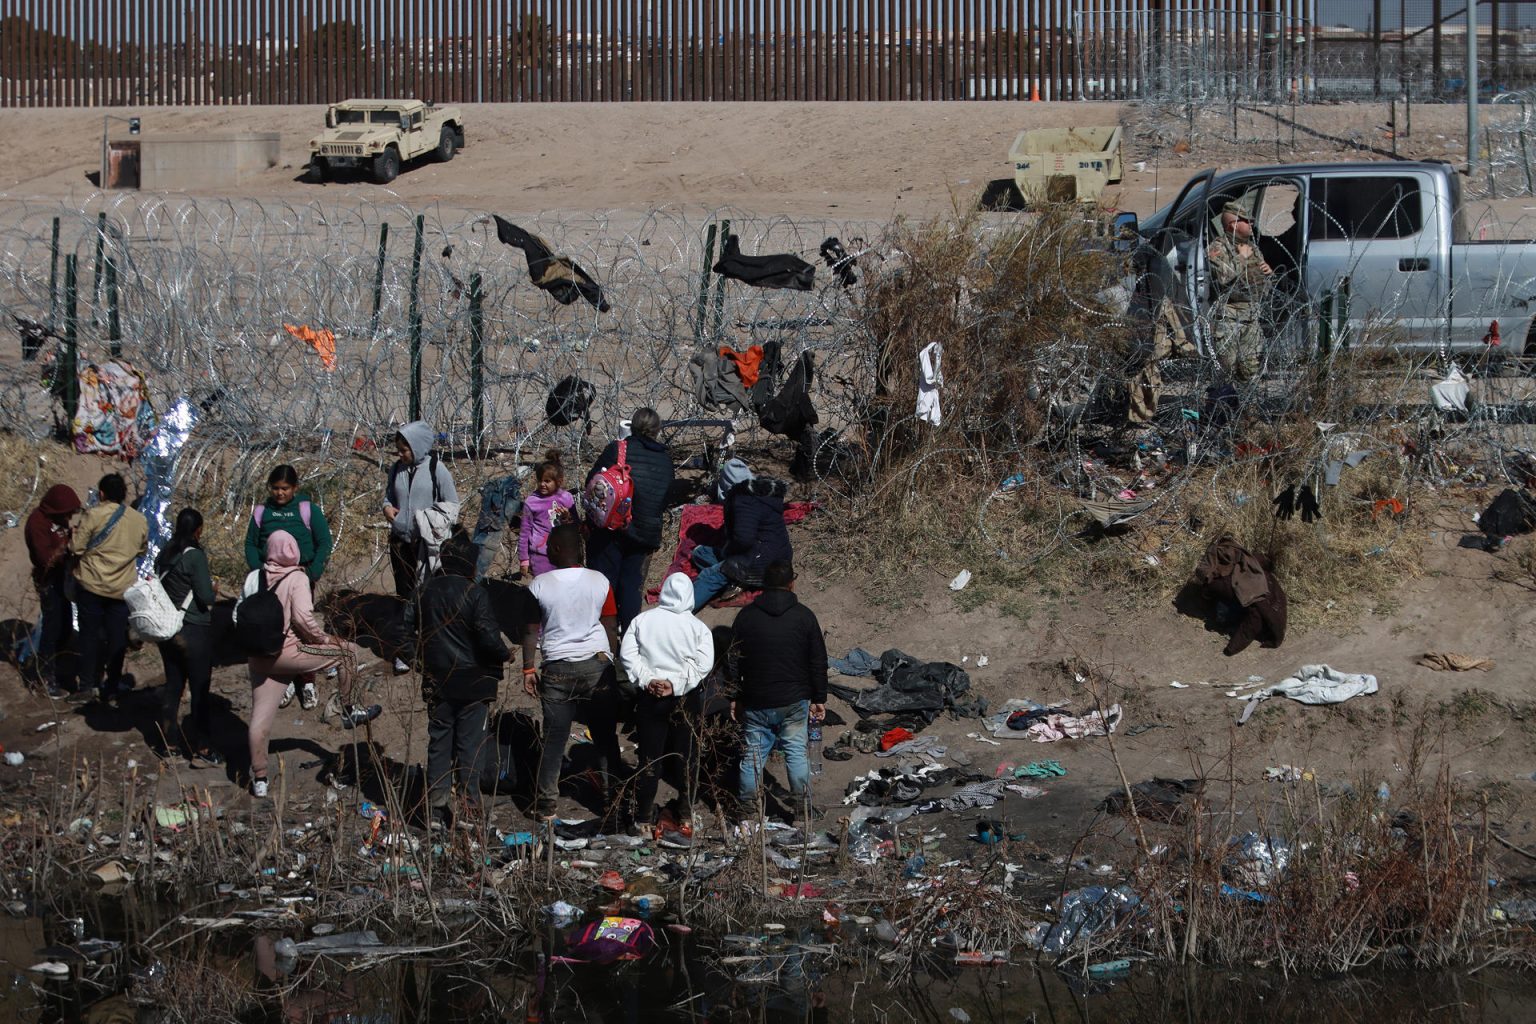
{"x": 309, "y": 697}
{"x": 259, "y": 789}
{"x": 288, "y": 696}
{"x": 401, "y": 668}
{"x": 332, "y": 672}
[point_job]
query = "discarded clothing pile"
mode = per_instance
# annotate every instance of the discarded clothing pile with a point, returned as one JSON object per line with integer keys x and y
{"x": 558, "y": 275}
{"x": 1312, "y": 684}
{"x": 1512, "y": 512}
{"x": 1450, "y": 661}
{"x": 114, "y": 416}
{"x": 908, "y": 786}
{"x": 705, "y": 524}
{"x": 1229, "y": 572}
{"x": 322, "y": 341}
{"x": 907, "y": 685}
{"x": 1156, "y": 799}
{"x": 1026, "y": 720}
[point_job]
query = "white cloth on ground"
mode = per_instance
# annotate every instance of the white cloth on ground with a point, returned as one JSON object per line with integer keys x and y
{"x": 1058, "y": 726}
{"x": 1313, "y": 684}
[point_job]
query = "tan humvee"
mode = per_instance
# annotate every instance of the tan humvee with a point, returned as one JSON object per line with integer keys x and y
{"x": 378, "y": 136}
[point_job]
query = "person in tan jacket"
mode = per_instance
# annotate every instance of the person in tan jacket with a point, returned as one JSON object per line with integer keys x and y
{"x": 107, "y": 545}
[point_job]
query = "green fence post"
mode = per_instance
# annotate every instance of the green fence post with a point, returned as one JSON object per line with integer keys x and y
{"x": 67, "y": 383}
{"x": 114, "y": 321}
{"x": 709, "y": 262}
{"x": 378, "y": 281}
{"x": 53, "y": 278}
{"x": 477, "y": 364}
{"x": 415, "y": 319}
{"x": 1341, "y": 328}
{"x": 714, "y": 333}
{"x": 1325, "y": 326}
{"x": 96, "y": 275}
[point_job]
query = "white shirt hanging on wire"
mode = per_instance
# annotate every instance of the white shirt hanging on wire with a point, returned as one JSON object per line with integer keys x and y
{"x": 930, "y": 377}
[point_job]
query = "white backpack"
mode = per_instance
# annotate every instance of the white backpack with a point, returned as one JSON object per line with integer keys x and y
{"x": 151, "y": 612}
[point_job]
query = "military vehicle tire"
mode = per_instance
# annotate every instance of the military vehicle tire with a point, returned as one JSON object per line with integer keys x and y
{"x": 315, "y": 172}
{"x": 447, "y": 145}
{"x": 386, "y": 166}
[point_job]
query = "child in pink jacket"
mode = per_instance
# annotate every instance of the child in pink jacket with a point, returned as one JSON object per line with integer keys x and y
{"x": 546, "y": 508}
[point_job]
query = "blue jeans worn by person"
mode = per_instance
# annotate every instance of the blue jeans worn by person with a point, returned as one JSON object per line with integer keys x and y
{"x": 456, "y": 741}
{"x": 103, "y": 641}
{"x": 487, "y": 550}
{"x": 569, "y": 691}
{"x": 765, "y": 728}
{"x": 711, "y": 579}
{"x": 624, "y": 562}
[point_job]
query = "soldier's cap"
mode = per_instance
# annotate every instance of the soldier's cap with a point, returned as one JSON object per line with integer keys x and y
{"x": 1235, "y": 208}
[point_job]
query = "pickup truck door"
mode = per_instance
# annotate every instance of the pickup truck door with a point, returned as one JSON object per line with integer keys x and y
{"x": 1380, "y": 235}
{"x": 1180, "y": 242}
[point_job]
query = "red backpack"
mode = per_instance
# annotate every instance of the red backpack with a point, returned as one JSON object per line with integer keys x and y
{"x": 609, "y": 495}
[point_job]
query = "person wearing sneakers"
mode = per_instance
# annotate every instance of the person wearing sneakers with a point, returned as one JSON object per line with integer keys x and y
{"x": 780, "y": 658}
{"x": 306, "y": 647}
{"x": 461, "y": 654}
{"x": 416, "y": 482}
{"x": 297, "y": 515}
{"x": 578, "y": 620}
{"x": 666, "y": 654}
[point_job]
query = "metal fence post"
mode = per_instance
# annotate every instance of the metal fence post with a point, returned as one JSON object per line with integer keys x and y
{"x": 53, "y": 277}
{"x": 67, "y": 381}
{"x": 378, "y": 281}
{"x": 709, "y": 262}
{"x": 415, "y": 319}
{"x": 477, "y": 364}
{"x": 114, "y": 321}
{"x": 714, "y": 330}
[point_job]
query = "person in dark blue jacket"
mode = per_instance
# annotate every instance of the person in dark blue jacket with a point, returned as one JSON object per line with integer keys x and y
{"x": 755, "y": 536}
{"x": 624, "y": 555}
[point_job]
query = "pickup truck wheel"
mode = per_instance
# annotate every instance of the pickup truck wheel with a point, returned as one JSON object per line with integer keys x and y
{"x": 315, "y": 172}
{"x": 447, "y": 145}
{"x": 386, "y": 166}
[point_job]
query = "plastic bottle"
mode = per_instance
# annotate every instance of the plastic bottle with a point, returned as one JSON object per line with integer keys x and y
{"x": 813, "y": 747}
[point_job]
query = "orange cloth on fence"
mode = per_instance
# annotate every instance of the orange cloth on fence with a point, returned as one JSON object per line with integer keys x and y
{"x": 323, "y": 342}
{"x": 749, "y": 363}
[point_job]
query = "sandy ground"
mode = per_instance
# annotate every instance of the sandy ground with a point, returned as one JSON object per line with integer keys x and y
{"x": 882, "y": 160}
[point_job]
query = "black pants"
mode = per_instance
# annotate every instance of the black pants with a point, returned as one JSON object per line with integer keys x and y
{"x": 188, "y": 661}
{"x": 58, "y": 625}
{"x": 455, "y": 748}
{"x": 668, "y": 750}
{"x": 103, "y": 640}
{"x": 571, "y": 691}
{"x": 623, "y": 561}
{"x": 404, "y": 554}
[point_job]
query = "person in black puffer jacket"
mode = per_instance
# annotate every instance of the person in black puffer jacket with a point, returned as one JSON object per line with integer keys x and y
{"x": 755, "y": 536}
{"x": 460, "y": 654}
{"x": 623, "y": 555}
{"x": 780, "y": 658}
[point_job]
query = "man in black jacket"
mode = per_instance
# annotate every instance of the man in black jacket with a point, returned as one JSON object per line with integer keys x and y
{"x": 460, "y": 654}
{"x": 624, "y": 555}
{"x": 780, "y": 658}
{"x": 755, "y": 536}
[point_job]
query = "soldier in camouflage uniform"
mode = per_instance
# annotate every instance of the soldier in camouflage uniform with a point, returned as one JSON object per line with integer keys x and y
{"x": 1239, "y": 279}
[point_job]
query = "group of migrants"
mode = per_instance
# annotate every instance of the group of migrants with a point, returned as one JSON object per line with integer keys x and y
{"x": 589, "y": 654}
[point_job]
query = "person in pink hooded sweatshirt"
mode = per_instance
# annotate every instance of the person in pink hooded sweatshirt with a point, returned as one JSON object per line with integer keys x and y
{"x": 546, "y": 508}
{"x": 307, "y": 647}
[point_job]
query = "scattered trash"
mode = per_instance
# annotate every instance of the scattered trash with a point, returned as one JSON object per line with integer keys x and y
{"x": 1313, "y": 684}
{"x": 1109, "y": 969}
{"x": 1178, "y": 685}
{"x": 979, "y": 958}
{"x": 1156, "y": 799}
{"x": 959, "y": 582}
{"x": 608, "y": 941}
{"x": 113, "y": 872}
{"x": 14, "y": 758}
{"x": 612, "y": 881}
{"x": 174, "y": 817}
{"x": 562, "y": 914}
{"x": 1243, "y": 894}
{"x": 981, "y": 661}
{"x": 1088, "y": 911}
{"x": 52, "y": 968}
{"x": 1288, "y": 773}
{"x": 46, "y": 726}
{"x": 959, "y": 1015}
{"x": 1449, "y": 661}
{"x": 1258, "y": 860}
{"x": 1039, "y": 770}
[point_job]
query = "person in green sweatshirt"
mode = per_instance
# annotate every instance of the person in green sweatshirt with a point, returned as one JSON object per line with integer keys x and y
{"x": 299, "y": 517}
{"x": 285, "y": 509}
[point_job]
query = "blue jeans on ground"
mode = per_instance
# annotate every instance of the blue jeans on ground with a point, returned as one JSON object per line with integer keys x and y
{"x": 766, "y": 728}
{"x": 711, "y": 579}
{"x": 623, "y": 561}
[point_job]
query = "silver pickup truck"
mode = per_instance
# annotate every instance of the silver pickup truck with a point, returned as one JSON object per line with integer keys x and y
{"x": 1378, "y": 250}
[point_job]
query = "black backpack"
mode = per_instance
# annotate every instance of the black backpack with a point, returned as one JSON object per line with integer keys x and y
{"x": 259, "y": 626}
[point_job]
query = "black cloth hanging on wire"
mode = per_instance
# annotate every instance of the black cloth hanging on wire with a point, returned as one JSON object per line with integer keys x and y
{"x": 783, "y": 271}
{"x": 842, "y": 264}
{"x": 558, "y": 275}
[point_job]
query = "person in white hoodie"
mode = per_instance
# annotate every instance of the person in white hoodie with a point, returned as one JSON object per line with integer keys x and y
{"x": 666, "y": 653}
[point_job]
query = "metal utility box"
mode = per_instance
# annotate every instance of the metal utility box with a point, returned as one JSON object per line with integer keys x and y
{"x": 1065, "y": 164}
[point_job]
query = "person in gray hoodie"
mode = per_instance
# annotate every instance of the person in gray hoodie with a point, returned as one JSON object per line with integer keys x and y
{"x": 416, "y": 481}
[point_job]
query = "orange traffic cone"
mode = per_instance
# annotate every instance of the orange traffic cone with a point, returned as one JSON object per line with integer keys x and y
{"x": 1034, "y": 92}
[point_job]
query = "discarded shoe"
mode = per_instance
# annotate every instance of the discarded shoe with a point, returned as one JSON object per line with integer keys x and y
{"x": 354, "y": 715}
